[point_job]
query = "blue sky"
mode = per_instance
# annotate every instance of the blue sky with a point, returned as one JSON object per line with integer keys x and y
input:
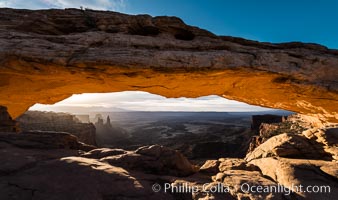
{"x": 314, "y": 21}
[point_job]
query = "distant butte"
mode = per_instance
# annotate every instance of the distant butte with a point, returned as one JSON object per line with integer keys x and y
{"x": 48, "y": 55}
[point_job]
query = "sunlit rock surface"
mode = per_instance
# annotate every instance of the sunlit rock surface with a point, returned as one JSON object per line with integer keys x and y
{"x": 48, "y": 55}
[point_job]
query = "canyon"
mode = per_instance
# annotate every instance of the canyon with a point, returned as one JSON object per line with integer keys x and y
{"x": 48, "y": 55}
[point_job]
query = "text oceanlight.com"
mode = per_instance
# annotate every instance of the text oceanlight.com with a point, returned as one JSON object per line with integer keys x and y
{"x": 245, "y": 188}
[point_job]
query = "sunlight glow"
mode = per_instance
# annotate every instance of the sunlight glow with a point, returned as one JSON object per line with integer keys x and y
{"x": 144, "y": 101}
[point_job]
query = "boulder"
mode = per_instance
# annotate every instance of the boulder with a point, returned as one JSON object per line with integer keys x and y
{"x": 327, "y": 136}
{"x": 77, "y": 178}
{"x": 295, "y": 172}
{"x": 154, "y": 159}
{"x": 103, "y": 152}
{"x": 239, "y": 182}
{"x": 290, "y": 146}
{"x": 210, "y": 167}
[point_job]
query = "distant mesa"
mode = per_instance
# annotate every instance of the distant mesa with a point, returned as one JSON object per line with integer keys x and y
{"x": 62, "y": 122}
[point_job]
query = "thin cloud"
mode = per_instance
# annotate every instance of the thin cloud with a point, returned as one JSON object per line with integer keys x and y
{"x": 115, "y": 5}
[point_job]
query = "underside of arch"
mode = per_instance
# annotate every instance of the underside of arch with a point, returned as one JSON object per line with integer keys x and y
{"x": 48, "y": 55}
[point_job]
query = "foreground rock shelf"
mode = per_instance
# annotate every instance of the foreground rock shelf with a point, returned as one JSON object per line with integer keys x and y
{"x": 48, "y": 55}
{"x": 55, "y": 165}
{"x": 52, "y": 165}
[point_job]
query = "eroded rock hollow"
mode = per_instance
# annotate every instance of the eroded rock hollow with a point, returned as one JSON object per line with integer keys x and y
{"x": 48, "y": 55}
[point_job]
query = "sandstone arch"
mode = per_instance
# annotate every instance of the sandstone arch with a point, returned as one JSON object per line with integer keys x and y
{"x": 48, "y": 55}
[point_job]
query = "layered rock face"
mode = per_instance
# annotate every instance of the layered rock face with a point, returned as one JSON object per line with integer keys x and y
{"x": 267, "y": 126}
{"x": 61, "y": 122}
{"x": 7, "y": 124}
{"x": 64, "y": 52}
{"x": 257, "y": 120}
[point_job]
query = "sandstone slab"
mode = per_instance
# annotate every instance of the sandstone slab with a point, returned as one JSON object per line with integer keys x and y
{"x": 296, "y": 172}
{"x": 289, "y": 145}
